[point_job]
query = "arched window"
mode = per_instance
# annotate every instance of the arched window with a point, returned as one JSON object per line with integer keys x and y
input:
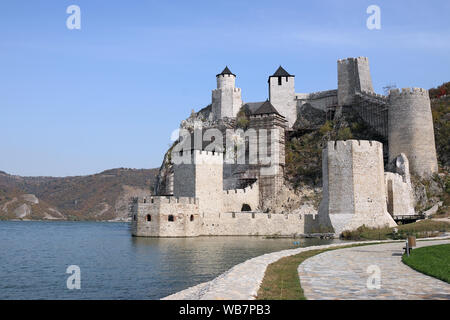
{"x": 192, "y": 217}
{"x": 149, "y": 218}
{"x": 246, "y": 207}
{"x": 171, "y": 218}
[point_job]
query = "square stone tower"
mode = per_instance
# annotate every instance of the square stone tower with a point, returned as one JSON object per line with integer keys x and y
{"x": 200, "y": 175}
{"x": 353, "y": 185}
{"x": 282, "y": 94}
{"x": 353, "y": 76}
{"x": 226, "y": 99}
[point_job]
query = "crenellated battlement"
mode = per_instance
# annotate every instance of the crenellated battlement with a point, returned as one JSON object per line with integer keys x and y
{"x": 239, "y": 191}
{"x": 346, "y": 60}
{"x": 356, "y": 145}
{"x": 370, "y": 94}
{"x": 408, "y": 92}
{"x": 157, "y": 200}
{"x": 194, "y": 152}
{"x": 316, "y": 95}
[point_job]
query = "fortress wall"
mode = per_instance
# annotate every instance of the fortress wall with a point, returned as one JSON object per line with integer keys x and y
{"x": 354, "y": 190}
{"x": 181, "y": 209}
{"x": 399, "y": 195}
{"x": 321, "y": 100}
{"x": 254, "y": 224}
{"x": 235, "y": 198}
{"x": 410, "y": 130}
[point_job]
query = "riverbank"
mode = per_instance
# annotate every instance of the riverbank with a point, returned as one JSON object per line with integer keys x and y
{"x": 243, "y": 281}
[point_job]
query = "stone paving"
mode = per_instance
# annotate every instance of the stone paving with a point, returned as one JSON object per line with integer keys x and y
{"x": 343, "y": 274}
{"x": 243, "y": 280}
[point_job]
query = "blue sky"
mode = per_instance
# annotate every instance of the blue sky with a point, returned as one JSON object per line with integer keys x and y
{"x": 76, "y": 102}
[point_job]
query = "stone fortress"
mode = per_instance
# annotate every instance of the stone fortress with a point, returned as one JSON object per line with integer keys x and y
{"x": 208, "y": 195}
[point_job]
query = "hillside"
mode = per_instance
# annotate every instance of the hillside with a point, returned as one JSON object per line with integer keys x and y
{"x": 102, "y": 196}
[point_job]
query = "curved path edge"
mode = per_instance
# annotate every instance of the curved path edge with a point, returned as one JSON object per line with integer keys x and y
{"x": 242, "y": 281}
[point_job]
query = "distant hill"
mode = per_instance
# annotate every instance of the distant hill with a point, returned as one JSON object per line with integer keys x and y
{"x": 102, "y": 196}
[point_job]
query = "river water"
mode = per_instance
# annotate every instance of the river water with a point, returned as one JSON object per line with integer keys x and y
{"x": 34, "y": 257}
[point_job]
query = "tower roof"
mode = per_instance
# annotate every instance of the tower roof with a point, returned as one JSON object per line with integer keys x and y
{"x": 266, "y": 108}
{"x": 281, "y": 73}
{"x": 226, "y": 71}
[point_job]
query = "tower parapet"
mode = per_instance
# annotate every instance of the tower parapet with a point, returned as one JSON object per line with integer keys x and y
{"x": 410, "y": 130}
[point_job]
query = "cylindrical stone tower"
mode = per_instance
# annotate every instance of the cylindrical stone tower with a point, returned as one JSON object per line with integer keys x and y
{"x": 226, "y": 99}
{"x": 410, "y": 130}
{"x": 226, "y": 79}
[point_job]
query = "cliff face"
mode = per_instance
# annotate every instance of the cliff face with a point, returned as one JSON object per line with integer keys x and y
{"x": 103, "y": 196}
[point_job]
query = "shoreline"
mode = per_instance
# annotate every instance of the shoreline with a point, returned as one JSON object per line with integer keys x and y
{"x": 242, "y": 281}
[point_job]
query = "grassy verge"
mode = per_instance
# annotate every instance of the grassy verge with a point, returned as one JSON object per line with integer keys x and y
{"x": 432, "y": 260}
{"x": 420, "y": 229}
{"x": 281, "y": 281}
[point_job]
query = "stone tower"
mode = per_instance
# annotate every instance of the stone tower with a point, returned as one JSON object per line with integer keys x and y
{"x": 282, "y": 94}
{"x": 353, "y": 185}
{"x": 410, "y": 130}
{"x": 226, "y": 99}
{"x": 200, "y": 175}
{"x": 353, "y": 76}
{"x": 267, "y": 121}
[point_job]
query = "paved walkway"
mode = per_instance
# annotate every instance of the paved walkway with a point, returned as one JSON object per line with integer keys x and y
{"x": 343, "y": 274}
{"x": 243, "y": 280}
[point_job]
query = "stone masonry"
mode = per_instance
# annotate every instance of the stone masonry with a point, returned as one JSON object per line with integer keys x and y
{"x": 353, "y": 185}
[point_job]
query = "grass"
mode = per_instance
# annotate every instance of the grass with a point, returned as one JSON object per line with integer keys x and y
{"x": 432, "y": 260}
{"x": 420, "y": 229}
{"x": 281, "y": 281}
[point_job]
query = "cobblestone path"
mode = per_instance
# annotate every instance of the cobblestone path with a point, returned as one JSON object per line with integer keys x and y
{"x": 343, "y": 274}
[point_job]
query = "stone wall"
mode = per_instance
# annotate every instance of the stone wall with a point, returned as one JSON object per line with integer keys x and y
{"x": 354, "y": 187}
{"x": 410, "y": 130}
{"x": 187, "y": 221}
{"x": 166, "y": 217}
{"x": 234, "y": 199}
{"x": 399, "y": 195}
{"x": 322, "y": 100}
{"x": 254, "y": 224}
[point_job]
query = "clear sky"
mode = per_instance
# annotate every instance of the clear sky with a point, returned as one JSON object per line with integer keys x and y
{"x": 75, "y": 102}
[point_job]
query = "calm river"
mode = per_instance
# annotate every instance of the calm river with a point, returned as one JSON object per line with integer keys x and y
{"x": 34, "y": 257}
